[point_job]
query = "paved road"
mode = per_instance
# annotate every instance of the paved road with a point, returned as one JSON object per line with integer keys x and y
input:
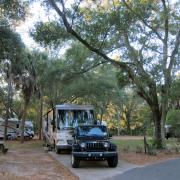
{"x": 168, "y": 170}
{"x": 93, "y": 170}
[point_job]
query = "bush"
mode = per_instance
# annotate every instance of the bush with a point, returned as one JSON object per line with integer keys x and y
{"x": 173, "y": 119}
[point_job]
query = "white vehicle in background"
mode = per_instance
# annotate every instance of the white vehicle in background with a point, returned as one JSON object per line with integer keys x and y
{"x": 29, "y": 128}
{"x": 59, "y": 124}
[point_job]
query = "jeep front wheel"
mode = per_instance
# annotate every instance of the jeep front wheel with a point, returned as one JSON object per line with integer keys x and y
{"x": 74, "y": 161}
{"x": 112, "y": 162}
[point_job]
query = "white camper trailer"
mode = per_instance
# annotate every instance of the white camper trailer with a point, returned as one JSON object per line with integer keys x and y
{"x": 59, "y": 122}
{"x": 13, "y": 128}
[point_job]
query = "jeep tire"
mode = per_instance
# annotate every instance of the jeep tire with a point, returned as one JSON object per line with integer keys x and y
{"x": 112, "y": 162}
{"x": 74, "y": 161}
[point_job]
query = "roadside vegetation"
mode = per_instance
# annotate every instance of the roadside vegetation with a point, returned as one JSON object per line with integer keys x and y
{"x": 132, "y": 150}
{"x": 135, "y": 145}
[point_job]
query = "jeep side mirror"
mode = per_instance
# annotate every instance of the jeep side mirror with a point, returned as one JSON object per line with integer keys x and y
{"x": 110, "y": 135}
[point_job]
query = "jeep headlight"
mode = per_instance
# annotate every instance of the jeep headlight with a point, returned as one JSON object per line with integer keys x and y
{"x": 106, "y": 144}
{"x": 83, "y": 145}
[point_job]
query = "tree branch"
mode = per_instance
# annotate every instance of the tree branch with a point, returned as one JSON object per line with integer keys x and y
{"x": 175, "y": 51}
{"x": 144, "y": 22}
{"x": 120, "y": 64}
{"x": 91, "y": 67}
{"x": 84, "y": 42}
{"x": 165, "y": 39}
{"x": 72, "y": 21}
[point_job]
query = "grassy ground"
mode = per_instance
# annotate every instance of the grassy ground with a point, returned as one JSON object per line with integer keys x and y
{"x": 128, "y": 144}
{"x": 32, "y": 144}
{"x": 133, "y": 144}
{"x": 172, "y": 143}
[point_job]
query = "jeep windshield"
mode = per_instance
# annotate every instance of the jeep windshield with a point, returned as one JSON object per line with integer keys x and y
{"x": 92, "y": 132}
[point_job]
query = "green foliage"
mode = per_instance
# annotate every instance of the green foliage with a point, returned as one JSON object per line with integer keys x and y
{"x": 13, "y": 10}
{"x": 50, "y": 34}
{"x": 175, "y": 93}
{"x": 10, "y": 44}
{"x": 173, "y": 119}
{"x": 139, "y": 149}
{"x": 123, "y": 79}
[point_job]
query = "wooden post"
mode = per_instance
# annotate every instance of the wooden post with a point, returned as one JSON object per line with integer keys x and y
{"x": 145, "y": 145}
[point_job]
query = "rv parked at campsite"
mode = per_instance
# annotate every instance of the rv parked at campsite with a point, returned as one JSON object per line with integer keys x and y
{"x": 59, "y": 124}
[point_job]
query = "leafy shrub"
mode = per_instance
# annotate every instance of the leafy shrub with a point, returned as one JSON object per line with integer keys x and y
{"x": 173, "y": 119}
{"x": 139, "y": 149}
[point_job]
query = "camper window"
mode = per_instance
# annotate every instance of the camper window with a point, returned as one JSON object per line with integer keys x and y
{"x": 65, "y": 119}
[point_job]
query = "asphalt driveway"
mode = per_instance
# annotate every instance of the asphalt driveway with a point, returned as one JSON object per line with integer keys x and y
{"x": 93, "y": 170}
{"x": 168, "y": 170}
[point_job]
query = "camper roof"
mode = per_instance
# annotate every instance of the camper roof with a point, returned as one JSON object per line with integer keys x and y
{"x": 74, "y": 107}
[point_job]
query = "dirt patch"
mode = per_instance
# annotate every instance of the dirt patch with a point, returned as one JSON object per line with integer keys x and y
{"x": 31, "y": 164}
{"x": 143, "y": 159}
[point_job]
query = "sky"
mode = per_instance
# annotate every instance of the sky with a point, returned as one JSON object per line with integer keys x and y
{"x": 37, "y": 13}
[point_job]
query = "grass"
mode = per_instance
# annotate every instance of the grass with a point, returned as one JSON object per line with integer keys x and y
{"x": 132, "y": 144}
{"x": 172, "y": 142}
{"x": 32, "y": 144}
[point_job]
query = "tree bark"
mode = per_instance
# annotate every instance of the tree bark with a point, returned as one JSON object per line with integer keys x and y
{"x": 8, "y": 104}
{"x": 159, "y": 129}
{"x": 23, "y": 120}
{"x": 128, "y": 122}
{"x": 40, "y": 118}
{"x": 119, "y": 120}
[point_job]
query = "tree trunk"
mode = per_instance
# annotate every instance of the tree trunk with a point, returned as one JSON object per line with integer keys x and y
{"x": 101, "y": 116}
{"x": 23, "y": 121}
{"x": 119, "y": 120}
{"x": 8, "y": 103}
{"x": 128, "y": 124}
{"x": 159, "y": 130}
{"x": 40, "y": 118}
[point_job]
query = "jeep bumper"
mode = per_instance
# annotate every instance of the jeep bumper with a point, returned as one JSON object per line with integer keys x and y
{"x": 94, "y": 155}
{"x": 63, "y": 147}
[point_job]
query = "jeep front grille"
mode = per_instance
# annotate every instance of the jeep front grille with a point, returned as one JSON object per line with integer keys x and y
{"x": 94, "y": 146}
